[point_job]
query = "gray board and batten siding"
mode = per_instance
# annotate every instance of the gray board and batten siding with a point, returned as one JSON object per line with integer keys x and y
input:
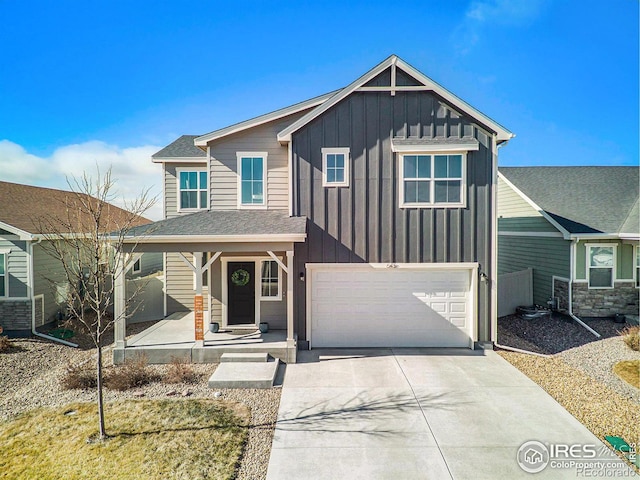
{"x": 363, "y": 222}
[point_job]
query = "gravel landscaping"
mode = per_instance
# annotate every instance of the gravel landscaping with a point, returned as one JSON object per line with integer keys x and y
{"x": 578, "y": 371}
{"x": 30, "y": 376}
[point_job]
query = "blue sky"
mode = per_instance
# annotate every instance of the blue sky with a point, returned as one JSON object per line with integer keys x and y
{"x": 112, "y": 82}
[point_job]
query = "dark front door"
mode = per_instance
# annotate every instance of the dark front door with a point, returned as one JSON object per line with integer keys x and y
{"x": 242, "y": 293}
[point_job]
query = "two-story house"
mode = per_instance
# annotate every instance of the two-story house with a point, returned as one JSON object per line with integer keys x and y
{"x": 360, "y": 218}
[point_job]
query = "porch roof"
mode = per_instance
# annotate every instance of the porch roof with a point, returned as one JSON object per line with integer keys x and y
{"x": 223, "y": 225}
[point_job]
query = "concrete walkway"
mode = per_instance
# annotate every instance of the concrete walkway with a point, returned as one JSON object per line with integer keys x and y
{"x": 414, "y": 414}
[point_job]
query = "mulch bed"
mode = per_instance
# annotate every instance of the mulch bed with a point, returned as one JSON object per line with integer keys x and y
{"x": 553, "y": 334}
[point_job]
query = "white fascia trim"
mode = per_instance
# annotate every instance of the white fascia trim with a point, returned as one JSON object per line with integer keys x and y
{"x": 536, "y": 207}
{"x": 179, "y": 159}
{"x": 598, "y": 236}
{"x": 299, "y": 237}
{"x": 629, "y": 236}
{"x": 502, "y": 134}
{"x": 451, "y": 147}
{"x": 530, "y": 234}
{"x": 16, "y": 231}
{"x": 269, "y": 117}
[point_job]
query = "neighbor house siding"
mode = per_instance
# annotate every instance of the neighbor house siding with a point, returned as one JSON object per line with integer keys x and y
{"x": 547, "y": 256}
{"x": 223, "y": 176}
{"x": 363, "y": 222}
{"x": 516, "y": 215}
{"x": 49, "y": 281}
{"x": 15, "y": 315}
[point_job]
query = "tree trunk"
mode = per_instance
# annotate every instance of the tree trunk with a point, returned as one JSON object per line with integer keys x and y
{"x": 103, "y": 434}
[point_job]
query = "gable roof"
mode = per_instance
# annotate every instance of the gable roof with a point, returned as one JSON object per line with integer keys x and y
{"x": 182, "y": 148}
{"x": 26, "y": 210}
{"x": 582, "y": 200}
{"x": 393, "y": 62}
{"x": 268, "y": 117}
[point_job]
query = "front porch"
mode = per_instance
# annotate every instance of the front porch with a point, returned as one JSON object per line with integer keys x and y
{"x": 175, "y": 337}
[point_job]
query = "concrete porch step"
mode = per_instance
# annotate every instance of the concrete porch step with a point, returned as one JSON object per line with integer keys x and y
{"x": 260, "y": 357}
{"x": 244, "y": 374}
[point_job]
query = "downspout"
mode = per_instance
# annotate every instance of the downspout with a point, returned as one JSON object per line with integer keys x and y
{"x": 33, "y": 301}
{"x": 572, "y": 259}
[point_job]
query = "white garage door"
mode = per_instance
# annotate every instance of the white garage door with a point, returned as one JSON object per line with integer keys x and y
{"x": 366, "y": 305}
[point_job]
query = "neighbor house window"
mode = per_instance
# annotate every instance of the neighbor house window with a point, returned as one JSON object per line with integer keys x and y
{"x": 270, "y": 280}
{"x": 137, "y": 265}
{"x": 638, "y": 266}
{"x": 601, "y": 263}
{"x": 252, "y": 179}
{"x": 3, "y": 274}
{"x": 193, "y": 189}
{"x": 432, "y": 180}
{"x": 335, "y": 167}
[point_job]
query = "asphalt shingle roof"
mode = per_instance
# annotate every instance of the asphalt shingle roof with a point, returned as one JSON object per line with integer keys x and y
{"x": 33, "y": 209}
{"x": 226, "y": 222}
{"x": 183, "y": 147}
{"x": 583, "y": 199}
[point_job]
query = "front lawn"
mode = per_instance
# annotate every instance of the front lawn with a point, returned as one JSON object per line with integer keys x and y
{"x": 148, "y": 439}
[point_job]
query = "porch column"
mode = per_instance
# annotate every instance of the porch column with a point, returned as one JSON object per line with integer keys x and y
{"x": 290, "y": 280}
{"x": 198, "y": 301}
{"x": 119, "y": 302}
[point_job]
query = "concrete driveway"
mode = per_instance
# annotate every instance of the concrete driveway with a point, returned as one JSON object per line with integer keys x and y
{"x": 414, "y": 414}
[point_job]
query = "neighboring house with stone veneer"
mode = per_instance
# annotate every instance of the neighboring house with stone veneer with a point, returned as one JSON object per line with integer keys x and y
{"x": 32, "y": 282}
{"x": 578, "y": 229}
{"x": 362, "y": 217}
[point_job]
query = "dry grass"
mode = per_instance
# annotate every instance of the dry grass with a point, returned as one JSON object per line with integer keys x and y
{"x": 5, "y": 344}
{"x": 78, "y": 377}
{"x": 134, "y": 373}
{"x": 629, "y": 371}
{"x": 598, "y": 407}
{"x": 631, "y": 336}
{"x": 180, "y": 371}
{"x": 148, "y": 439}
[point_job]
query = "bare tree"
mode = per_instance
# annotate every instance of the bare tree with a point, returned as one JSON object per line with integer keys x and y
{"x": 87, "y": 238}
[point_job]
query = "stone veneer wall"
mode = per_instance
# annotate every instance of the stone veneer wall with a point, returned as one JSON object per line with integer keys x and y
{"x": 606, "y": 302}
{"x": 561, "y": 292}
{"x": 15, "y": 315}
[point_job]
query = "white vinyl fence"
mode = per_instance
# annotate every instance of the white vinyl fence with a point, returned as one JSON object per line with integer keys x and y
{"x": 148, "y": 304}
{"x": 514, "y": 289}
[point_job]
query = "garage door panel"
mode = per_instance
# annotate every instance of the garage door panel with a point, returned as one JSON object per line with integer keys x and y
{"x": 399, "y": 307}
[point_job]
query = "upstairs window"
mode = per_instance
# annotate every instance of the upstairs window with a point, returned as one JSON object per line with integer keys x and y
{"x": 335, "y": 167}
{"x": 193, "y": 189}
{"x": 601, "y": 260}
{"x": 137, "y": 266}
{"x": 270, "y": 280}
{"x": 3, "y": 274}
{"x": 432, "y": 180}
{"x": 252, "y": 168}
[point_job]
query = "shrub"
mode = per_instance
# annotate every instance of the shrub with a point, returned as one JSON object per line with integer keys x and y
{"x": 5, "y": 344}
{"x": 79, "y": 377}
{"x": 180, "y": 371}
{"x": 133, "y": 373}
{"x": 631, "y": 336}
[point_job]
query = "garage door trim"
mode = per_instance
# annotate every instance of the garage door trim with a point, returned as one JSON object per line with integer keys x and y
{"x": 467, "y": 266}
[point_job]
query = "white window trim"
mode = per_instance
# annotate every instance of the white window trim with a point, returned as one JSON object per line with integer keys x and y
{"x": 589, "y": 246}
{"x": 5, "y": 278}
{"x": 191, "y": 169}
{"x": 463, "y": 182}
{"x": 258, "y": 206}
{"x": 347, "y": 163}
{"x": 279, "y": 296}
{"x": 138, "y": 262}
